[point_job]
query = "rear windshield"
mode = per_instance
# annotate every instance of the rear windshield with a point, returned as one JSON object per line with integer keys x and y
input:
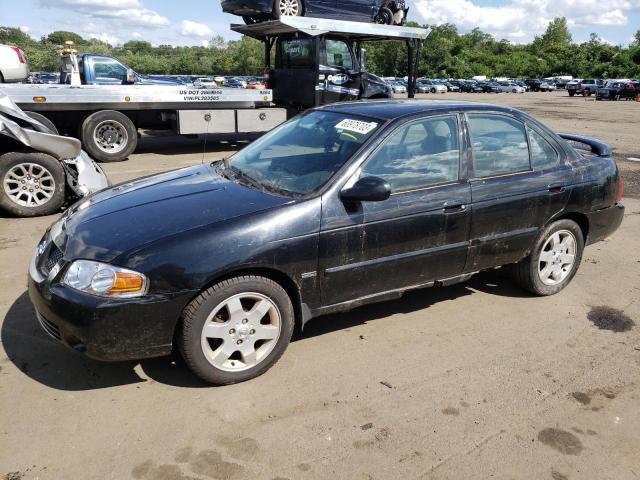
{"x": 296, "y": 53}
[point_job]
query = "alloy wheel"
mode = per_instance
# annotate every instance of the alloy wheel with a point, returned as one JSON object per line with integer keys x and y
{"x": 110, "y": 136}
{"x": 29, "y": 185}
{"x": 557, "y": 257}
{"x": 241, "y": 332}
{"x": 289, "y": 8}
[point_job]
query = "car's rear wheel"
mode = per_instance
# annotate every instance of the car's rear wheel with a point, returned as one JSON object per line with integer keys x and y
{"x": 554, "y": 260}
{"x": 236, "y": 330}
{"x": 33, "y": 184}
{"x": 287, "y": 8}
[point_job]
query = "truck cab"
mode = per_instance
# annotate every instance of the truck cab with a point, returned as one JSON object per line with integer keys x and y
{"x": 319, "y": 70}
{"x": 106, "y": 70}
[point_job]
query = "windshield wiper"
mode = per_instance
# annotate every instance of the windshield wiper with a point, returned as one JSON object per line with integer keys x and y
{"x": 248, "y": 178}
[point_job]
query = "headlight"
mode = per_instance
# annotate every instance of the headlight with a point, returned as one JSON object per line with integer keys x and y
{"x": 105, "y": 280}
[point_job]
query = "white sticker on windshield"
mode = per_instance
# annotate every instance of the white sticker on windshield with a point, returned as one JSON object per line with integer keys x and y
{"x": 356, "y": 126}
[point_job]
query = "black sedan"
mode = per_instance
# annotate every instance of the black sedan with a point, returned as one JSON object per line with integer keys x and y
{"x": 390, "y": 12}
{"x": 341, "y": 206}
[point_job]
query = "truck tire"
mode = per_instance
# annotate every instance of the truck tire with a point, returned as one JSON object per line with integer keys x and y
{"x": 554, "y": 260}
{"x": 32, "y": 184}
{"x": 236, "y": 330}
{"x": 572, "y": 93}
{"x": 43, "y": 120}
{"x": 108, "y": 136}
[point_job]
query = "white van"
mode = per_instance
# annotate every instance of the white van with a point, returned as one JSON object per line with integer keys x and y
{"x": 13, "y": 64}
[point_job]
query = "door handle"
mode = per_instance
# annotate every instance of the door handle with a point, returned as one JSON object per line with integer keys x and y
{"x": 454, "y": 208}
{"x": 556, "y": 188}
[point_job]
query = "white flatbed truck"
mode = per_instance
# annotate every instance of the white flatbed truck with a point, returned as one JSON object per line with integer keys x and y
{"x": 106, "y": 118}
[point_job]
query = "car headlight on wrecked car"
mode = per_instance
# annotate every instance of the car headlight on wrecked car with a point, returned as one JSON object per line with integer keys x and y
{"x": 105, "y": 280}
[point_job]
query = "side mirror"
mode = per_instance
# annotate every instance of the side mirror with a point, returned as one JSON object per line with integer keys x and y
{"x": 362, "y": 59}
{"x": 131, "y": 77}
{"x": 367, "y": 189}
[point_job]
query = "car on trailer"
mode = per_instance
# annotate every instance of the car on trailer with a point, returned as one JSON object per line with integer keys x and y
{"x": 388, "y": 12}
{"x": 343, "y": 205}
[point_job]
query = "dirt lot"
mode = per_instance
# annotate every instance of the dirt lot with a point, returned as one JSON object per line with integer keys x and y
{"x": 478, "y": 380}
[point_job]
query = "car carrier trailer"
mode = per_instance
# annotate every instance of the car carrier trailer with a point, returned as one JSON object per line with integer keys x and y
{"x": 317, "y": 61}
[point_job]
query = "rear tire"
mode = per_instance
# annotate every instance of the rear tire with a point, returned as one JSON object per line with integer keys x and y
{"x": 109, "y": 136}
{"x": 287, "y": 8}
{"x": 541, "y": 277}
{"x": 571, "y": 94}
{"x": 31, "y": 184}
{"x": 226, "y": 338}
{"x": 44, "y": 120}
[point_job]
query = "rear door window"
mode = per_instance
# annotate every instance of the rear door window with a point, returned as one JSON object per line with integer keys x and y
{"x": 542, "y": 153}
{"x": 499, "y": 144}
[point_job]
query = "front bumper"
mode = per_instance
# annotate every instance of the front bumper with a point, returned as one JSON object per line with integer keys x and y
{"x": 101, "y": 328}
{"x": 604, "y": 222}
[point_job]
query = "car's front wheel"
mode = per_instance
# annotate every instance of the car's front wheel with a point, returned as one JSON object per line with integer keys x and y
{"x": 237, "y": 329}
{"x": 554, "y": 260}
{"x": 33, "y": 184}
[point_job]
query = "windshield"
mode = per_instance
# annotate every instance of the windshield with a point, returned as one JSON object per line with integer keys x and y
{"x": 301, "y": 155}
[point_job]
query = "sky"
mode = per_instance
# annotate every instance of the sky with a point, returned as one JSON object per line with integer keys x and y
{"x": 195, "y": 22}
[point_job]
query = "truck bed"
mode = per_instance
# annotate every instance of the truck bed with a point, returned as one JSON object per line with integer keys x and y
{"x": 133, "y": 97}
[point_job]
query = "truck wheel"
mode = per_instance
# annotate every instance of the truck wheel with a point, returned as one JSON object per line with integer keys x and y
{"x": 554, "y": 260}
{"x": 33, "y": 184}
{"x": 109, "y": 136}
{"x": 236, "y": 330}
{"x": 572, "y": 93}
{"x": 43, "y": 120}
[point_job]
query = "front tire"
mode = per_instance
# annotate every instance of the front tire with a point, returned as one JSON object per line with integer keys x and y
{"x": 236, "y": 330}
{"x": 43, "y": 120}
{"x": 32, "y": 184}
{"x": 109, "y": 136}
{"x": 384, "y": 16}
{"x": 554, "y": 260}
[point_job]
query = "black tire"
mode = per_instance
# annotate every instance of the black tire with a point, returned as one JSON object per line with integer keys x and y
{"x": 433, "y": 90}
{"x": 120, "y": 129}
{"x": 195, "y": 316}
{"x": 384, "y": 16}
{"x": 250, "y": 20}
{"x": 572, "y": 93}
{"x": 44, "y": 120}
{"x": 525, "y": 272}
{"x": 11, "y": 204}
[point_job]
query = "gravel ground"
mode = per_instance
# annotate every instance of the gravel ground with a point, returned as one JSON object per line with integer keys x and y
{"x": 478, "y": 380}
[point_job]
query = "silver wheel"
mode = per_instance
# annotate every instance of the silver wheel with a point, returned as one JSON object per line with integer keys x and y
{"x": 29, "y": 185}
{"x": 241, "y": 332}
{"x": 110, "y": 136}
{"x": 289, "y": 8}
{"x": 557, "y": 257}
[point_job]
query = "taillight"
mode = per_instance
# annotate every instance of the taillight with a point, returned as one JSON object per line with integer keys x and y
{"x": 267, "y": 77}
{"x": 20, "y": 54}
{"x": 619, "y": 190}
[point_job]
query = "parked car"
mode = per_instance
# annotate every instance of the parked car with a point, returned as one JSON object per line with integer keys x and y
{"x": 511, "y": 87}
{"x": 550, "y": 87}
{"x": 205, "y": 82}
{"x": 223, "y": 259}
{"x": 40, "y": 171}
{"x": 618, "y": 91}
{"x": 378, "y": 11}
{"x": 572, "y": 86}
{"x": 489, "y": 87}
{"x": 14, "y": 66}
{"x": 49, "y": 78}
{"x": 470, "y": 87}
{"x": 589, "y": 86}
{"x": 451, "y": 87}
{"x": 424, "y": 85}
{"x": 256, "y": 84}
{"x": 234, "y": 83}
{"x": 398, "y": 87}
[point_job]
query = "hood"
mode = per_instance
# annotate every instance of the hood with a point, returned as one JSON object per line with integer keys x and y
{"x": 133, "y": 214}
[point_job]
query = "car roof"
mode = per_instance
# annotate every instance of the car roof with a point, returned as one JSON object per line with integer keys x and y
{"x": 392, "y": 109}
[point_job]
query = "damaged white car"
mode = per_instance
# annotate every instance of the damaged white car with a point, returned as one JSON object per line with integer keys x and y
{"x": 40, "y": 170}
